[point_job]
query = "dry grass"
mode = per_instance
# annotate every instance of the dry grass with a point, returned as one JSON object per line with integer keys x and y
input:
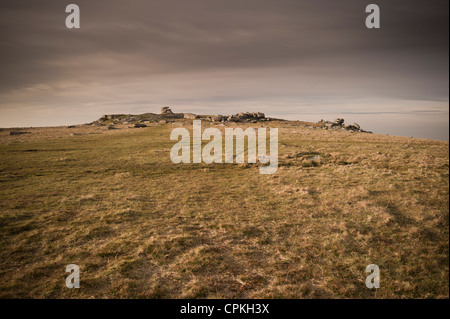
{"x": 140, "y": 226}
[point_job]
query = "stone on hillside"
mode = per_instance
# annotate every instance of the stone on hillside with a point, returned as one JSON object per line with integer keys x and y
{"x": 190, "y": 116}
{"x": 139, "y": 125}
{"x": 166, "y": 110}
{"x": 233, "y": 118}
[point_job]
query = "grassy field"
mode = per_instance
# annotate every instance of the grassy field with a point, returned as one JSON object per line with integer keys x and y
{"x": 139, "y": 226}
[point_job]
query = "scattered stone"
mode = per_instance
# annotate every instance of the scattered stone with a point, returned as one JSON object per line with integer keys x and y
{"x": 71, "y": 126}
{"x": 245, "y": 117}
{"x": 338, "y": 124}
{"x": 233, "y": 118}
{"x": 218, "y": 118}
{"x": 190, "y": 116}
{"x": 167, "y": 116}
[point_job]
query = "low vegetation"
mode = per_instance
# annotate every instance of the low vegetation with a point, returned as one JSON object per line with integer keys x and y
{"x": 139, "y": 226}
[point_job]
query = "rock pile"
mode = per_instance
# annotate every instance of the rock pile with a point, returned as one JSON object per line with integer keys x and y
{"x": 166, "y": 110}
{"x": 146, "y": 118}
{"x": 338, "y": 124}
{"x": 249, "y": 117}
{"x": 167, "y": 116}
{"x": 190, "y": 116}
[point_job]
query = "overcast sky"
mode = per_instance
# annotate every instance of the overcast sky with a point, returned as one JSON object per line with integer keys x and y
{"x": 295, "y": 59}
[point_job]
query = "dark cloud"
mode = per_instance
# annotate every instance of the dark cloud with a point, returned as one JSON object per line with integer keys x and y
{"x": 219, "y": 52}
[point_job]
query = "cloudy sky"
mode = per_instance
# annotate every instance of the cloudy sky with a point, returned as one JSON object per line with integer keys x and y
{"x": 295, "y": 59}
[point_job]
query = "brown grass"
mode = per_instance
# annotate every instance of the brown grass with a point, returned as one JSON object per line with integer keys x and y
{"x": 140, "y": 226}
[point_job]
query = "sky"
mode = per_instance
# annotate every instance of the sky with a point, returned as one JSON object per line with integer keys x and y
{"x": 292, "y": 59}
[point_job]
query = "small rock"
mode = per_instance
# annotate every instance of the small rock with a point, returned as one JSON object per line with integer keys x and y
{"x": 190, "y": 116}
{"x": 218, "y": 118}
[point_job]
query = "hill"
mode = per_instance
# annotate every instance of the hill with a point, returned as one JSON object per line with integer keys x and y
{"x": 111, "y": 201}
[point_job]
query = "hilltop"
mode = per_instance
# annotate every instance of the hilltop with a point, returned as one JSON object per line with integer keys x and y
{"x": 106, "y": 196}
{"x": 115, "y": 121}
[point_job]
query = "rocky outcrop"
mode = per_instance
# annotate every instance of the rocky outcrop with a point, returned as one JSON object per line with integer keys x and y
{"x": 190, "y": 116}
{"x": 166, "y": 110}
{"x": 112, "y": 119}
{"x": 339, "y": 124}
{"x": 217, "y": 118}
{"x": 249, "y": 117}
{"x": 167, "y": 116}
